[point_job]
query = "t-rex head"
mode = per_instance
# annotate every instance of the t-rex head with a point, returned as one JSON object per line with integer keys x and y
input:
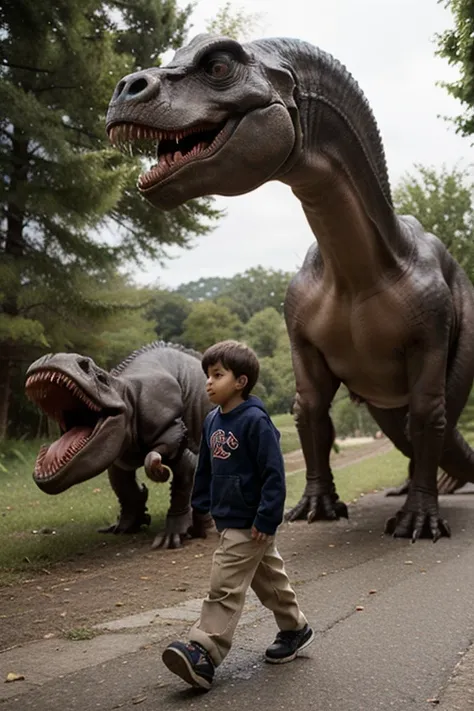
{"x": 89, "y": 406}
{"x": 221, "y": 118}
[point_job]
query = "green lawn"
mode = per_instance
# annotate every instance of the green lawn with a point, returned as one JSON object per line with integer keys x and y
{"x": 289, "y": 436}
{"x": 374, "y": 474}
{"x": 38, "y": 530}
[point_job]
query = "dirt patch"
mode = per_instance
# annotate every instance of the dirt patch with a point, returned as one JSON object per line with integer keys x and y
{"x": 107, "y": 584}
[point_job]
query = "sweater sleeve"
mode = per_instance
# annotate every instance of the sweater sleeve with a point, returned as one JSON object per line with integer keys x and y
{"x": 201, "y": 496}
{"x": 272, "y": 471}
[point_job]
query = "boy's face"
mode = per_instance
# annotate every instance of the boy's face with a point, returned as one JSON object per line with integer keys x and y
{"x": 222, "y": 387}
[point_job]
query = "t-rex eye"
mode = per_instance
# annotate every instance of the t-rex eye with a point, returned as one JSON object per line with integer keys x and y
{"x": 218, "y": 67}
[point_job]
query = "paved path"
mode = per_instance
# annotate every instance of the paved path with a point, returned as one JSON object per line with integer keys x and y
{"x": 408, "y": 648}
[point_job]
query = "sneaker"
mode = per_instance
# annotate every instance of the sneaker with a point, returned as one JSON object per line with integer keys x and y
{"x": 191, "y": 662}
{"x": 287, "y": 644}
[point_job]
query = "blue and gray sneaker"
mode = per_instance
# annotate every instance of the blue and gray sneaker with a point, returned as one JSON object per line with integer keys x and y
{"x": 191, "y": 662}
{"x": 287, "y": 645}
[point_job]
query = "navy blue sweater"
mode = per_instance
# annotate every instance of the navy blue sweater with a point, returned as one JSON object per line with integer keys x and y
{"x": 240, "y": 476}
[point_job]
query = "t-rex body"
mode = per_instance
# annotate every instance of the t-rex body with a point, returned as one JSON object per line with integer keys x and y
{"x": 378, "y": 304}
{"x": 152, "y": 405}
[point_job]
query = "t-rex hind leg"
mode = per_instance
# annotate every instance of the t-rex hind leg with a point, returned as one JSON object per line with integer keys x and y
{"x": 446, "y": 484}
{"x": 181, "y": 522}
{"x": 132, "y": 499}
{"x": 457, "y": 461}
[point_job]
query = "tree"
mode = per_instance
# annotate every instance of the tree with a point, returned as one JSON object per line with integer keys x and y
{"x": 235, "y": 23}
{"x": 262, "y": 331}
{"x": 201, "y": 289}
{"x": 169, "y": 311}
{"x": 208, "y": 323}
{"x": 351, "y": 419}
{"x": 457, "y": 46}
{"x": 277, "y": 377}
{"x": 245, "y": 294}
{"x": 107, "y": 327}
{"x": 62, "y": 183}
{"x": 258, "y": 289}
{"x": 443, "y": 202}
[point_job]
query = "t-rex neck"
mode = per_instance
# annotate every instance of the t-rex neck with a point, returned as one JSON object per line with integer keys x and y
{"x": 341, "y": 180}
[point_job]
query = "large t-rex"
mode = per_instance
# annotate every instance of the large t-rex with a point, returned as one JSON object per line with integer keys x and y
{"x": 149, "y": 411}
{"x": 378, "y": 304}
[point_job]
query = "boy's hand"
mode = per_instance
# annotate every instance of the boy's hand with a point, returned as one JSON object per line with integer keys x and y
{"x": 258, "y": 535}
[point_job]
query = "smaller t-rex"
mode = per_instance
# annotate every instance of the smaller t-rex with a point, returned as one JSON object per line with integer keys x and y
{"x": 148, "y": 411}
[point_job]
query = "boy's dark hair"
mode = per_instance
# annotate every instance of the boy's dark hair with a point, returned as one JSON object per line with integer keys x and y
{"x": 238, "y": 358}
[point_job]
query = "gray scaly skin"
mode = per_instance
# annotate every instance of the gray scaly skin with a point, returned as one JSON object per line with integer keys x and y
{"x": 148, "y": 411}
{"x": 379, "y": 304}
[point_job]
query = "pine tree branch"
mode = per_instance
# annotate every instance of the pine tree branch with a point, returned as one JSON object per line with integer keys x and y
{"x": 6, "y": 63}
{"x": 53, "y": 88}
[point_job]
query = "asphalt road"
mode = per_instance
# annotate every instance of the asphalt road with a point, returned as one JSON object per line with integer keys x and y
{"x": 407, "y": 648}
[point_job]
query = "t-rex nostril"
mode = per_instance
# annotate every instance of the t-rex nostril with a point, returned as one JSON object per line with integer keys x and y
{"x": 120, "y": 87}
{"x": 137, "y": 86}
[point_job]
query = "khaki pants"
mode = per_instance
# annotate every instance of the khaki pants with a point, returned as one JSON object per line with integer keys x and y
{"x": 238, "y": 563}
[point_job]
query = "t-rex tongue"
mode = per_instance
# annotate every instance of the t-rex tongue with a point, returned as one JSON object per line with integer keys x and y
{"x": 66, "y": 446}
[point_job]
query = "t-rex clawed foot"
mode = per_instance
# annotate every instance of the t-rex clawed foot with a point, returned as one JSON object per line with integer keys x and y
{"x": 132, "y": 516}
{"x": 325, "y": 507}
{"x": 419, "y": 518}
{"x": 202, "y": 525}
{"x": 176, "y": 528}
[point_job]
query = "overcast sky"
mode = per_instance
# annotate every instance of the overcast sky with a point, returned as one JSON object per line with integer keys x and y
{"x": 388, "y": 46}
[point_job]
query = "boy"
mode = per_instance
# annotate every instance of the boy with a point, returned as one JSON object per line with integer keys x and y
{"x": 240, "y": 479}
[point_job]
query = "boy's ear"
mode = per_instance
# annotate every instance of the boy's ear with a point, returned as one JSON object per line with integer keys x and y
{"x": 242, "y": 381}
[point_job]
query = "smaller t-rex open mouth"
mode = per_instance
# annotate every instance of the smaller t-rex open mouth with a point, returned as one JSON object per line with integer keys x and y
{"x": 78, "y": 416}
{"x": 173, "y": 148}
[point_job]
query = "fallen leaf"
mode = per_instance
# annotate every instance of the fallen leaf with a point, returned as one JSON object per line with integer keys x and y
{"x": 11, "y": 676}
{"x": 139, "y": 699}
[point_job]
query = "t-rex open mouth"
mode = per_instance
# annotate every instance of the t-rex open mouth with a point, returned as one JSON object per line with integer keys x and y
{"x": 173, "y": 148}
{"x": 78, "y": 416}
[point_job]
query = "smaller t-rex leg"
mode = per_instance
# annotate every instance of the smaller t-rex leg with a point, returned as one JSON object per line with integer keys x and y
{"x": 180, "y": 521}
{"x": 132, "y": 499}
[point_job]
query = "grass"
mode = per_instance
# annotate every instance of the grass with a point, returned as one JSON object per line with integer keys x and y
{"x": 373, "y": 474}
{"x": 289, "y": 436}
{"x": 38, "y": 530}
{"x": 78, "y": 634}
